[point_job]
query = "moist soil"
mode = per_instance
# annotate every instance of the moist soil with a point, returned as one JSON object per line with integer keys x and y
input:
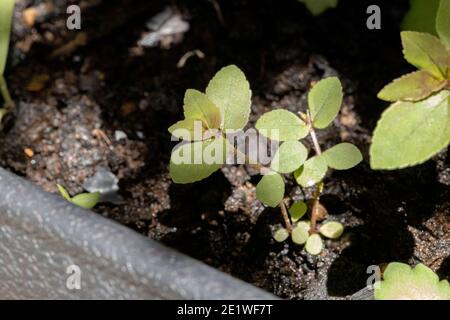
{"x": 73, "y": 96}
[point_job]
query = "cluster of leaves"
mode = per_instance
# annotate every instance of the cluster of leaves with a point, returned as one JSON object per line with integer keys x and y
{"x": 226, "y": 105}
{"x": 417, "y": 125}
{"x": 401, "y": 282}
{"x": 84, "y": 200}
{"x": 317, "y": 7}
{"x": 6, "y": 13}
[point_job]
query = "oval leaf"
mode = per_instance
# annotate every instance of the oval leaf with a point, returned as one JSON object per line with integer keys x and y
{"x": 230, "y": 91}
{"x": 281, "y": 235}
{"x": 193, "y": 162}
{"x": 332, "y": 229}
{"x": 299, "y": 235}
{"x": 289, "y": 157}
{"x": 281, "y": 125}
{"x": 305, "y": 225}
{"x": 198, "y": 106}
{"x": 443, "y": 21}
{"x": 410, "y": 133}
{"x": 188, "y": 129}
{"x": 342, "y": 156}
{"x": 86, "y": 200}
{"x": 270, "y": 190}
{"x": 298, "y": 210}
{"x": 412, "y": 87}
{"x": 325, "y": 100}
{"x": 311, "y": 172}
{"x": 314, "y": 244}
{"x": 6, "y": 13}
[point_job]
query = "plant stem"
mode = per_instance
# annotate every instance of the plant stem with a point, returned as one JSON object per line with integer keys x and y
{"x": 286, "y": 217}
{"x": 5, "y": 92}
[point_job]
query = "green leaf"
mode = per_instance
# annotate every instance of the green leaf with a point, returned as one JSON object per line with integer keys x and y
{"x": 324, "y": 101}
{"x": 311, "y": 172}
{"x": 230, "y": 91}
{"x": 314, "y": 244}
{"x": 342, "y": 156}
{"x": 317, "y": 7}
{"x": 305, "y": 225}
{"x": 400, "y": 282}
{"x": 281, "y": 125}
{"x": 421, "y": 16}
{"x": 86, "y": 200}
{"x": 410, "y": 133}
{"x": 64, "y": 192}
{"x": 298, "y": 210}
{"x": 270, "y": 190}
{"x": 412, "y": 87}
{"x": 198, "y": 106}
{"x": 299, "y": 235}
{"x": 426, "y": 52}
{"x": 191, "y": 162}
{"x": 332, "y": 229}
{"x": 188, "y": 129}
{"x": 443, "y": 21}
{"x": 6, "y": 13}
{"x": 289, "y": 157}
{"x": 281, "y": 235}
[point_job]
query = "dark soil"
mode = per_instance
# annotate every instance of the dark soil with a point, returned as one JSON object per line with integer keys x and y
{"x": 69, "y": 107}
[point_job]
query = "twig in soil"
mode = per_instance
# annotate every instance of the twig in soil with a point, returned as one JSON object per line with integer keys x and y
{"x": 182, "y": 62}
{"x": 101, "y": 134}
{"x": 286, "y": 216}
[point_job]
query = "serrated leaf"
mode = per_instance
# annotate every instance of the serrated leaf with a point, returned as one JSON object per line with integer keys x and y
{"x": 426, "y": 52}
{"x": 289, "y": 157}
{"x": 443, "y": 21}
{"x": 64, "y": 192}
{"x": 281, "y": 235}
{"x": 270, "y": 189}
{"x": 412, "y": 87}
{"x": 281, "y": 125}
{"x": 324, "y": 101}
{"x": 230, "y": 91}
{"x": 188, "y": 129}
{"x": 400, "y": 282}
{"x": 314, "y": 244}
{"x": 298, "y": 210}
{"x": 299, "y": 235}
{"x": 191, "y": 162}
{"x": 6, "y": 13}
{"x": 342, "y": 156}
{"x": 410, "y": 133}
{"x": 311, "y": 172}
{"x": 332, "y": 229}
{"x": 86, "y": 200}
{"x": 317, "y": 7}
{"x": 421, "y": 16}
{"x": 198, "y": 106}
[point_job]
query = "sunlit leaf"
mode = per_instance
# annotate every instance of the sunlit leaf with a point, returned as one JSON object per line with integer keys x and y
{"x": 188, "y": 129}
{"x": 289, "y": 157}
{"x": 324, "y": 101}
{"x": 299, "y": 235}
{"x": 314, "y": 244}
{"x": 86, "y": 200}
{"x": 332, "y": 229}
{"x": 342, "y": 156}
{"x": 311, "y": 172}
{"x": 270, "y": 189}
{"x": 198, "y": 106}
{"x": 281, "y": 235}
{"x": 298, "y": 210}
{"x": 64, "y": 192}
{"x": 281, "y": 125}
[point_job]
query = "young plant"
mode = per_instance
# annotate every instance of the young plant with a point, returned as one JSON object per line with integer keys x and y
{"x": 226, "y": 106}
{"x": 401, "y": 282}
{"x": 6, "y": 13}
{"x": 317, "y": 7}
{"x": 84, "y": 200}
{"x": 417, "y": 125}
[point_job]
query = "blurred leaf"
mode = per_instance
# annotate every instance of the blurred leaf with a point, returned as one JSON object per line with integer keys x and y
{"x": 324, "y": 101}
{"x": 411, "y": 133}
{"x": 64, "y": 192}
{"x": 281, "y": 235}
{"x": 298, "y": 210}
{"x": 314, "y": 244}
{"x": 342, "y": 156}
{"x": 281, "y": 125}
{"x": 311, "y": 172}
{"x": 6, "y": 13}
{"x": 289, "y": 157}
{"x": 230, "y": 91}
{"x": 198, "y": 106}
{"x": 188, "y": 129}
{"x": 299, "y": 235}
{"x": 86, "y": 200}
{"x": 317, "y": 7}
{"x": 443, "y": 21}
{"x": 332, "y": 229}
{"x": 421, "y": 16}
{"x": 270, "y": 189}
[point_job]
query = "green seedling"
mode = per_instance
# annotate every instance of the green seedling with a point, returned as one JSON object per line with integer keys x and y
{"x": 417, "y": 125}
{"x": 84, "y": 200}
{"x": 317, "y": 7}
{"x": 401, "y": 282}
{"x": 6, "y": 13}
{"x": 226, "y": 106}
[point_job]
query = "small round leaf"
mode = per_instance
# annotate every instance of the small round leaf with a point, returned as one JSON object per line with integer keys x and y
{"x": 86, "y": 200}
{"x": 270, "y": 190}
{"x": 324, "y": 101}
{"x": 311, "y": 172}
{"x": 281, "y": 125}
{"x": 289, "y": 157}
{"x": 314, "y": 244}
{"x": 299, "y": 235}
{"x": 342, "y": 156}
{"x": 332, "y": 229}
{"x": 281, "y": 235}
{"x": 305, "y": 224}
{"x": 298, "y": 210}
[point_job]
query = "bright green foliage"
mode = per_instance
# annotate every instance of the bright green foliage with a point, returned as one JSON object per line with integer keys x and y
{"x": 332, "y": 229}
{"x": 410, "y": 133}
{"x": 83, "y": 200}
{"x": 325, "y": 100}
{"x": 311, "y": 172}
{"x": 317, "y": 7}
{"x": 443, "y": 21}
{"x": 298, "y": 210}
{"x": 299, "y": 235}
{"x": 230, "y": 91}
{"x": 289, "y": 157}
{"x": 270, "y": 189}
{"x": 281, "y": 235}
{"x": 342, "y": 156}
{"x": 6, "y": 13}
{"x": 401, "y": 282}
{"x": 422, "y": 16}
{"x": 199, "y": 107}
{"x": 281, "y": 125}
{"x": 314, "y": 244}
